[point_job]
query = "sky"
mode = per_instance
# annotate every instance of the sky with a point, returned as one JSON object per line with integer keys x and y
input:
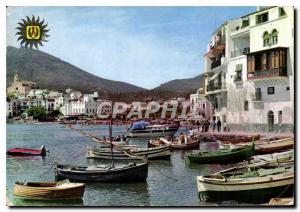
{"x": 144, "y": 46}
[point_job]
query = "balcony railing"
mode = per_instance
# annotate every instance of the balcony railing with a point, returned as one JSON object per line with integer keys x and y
{"x": 213, "y": 87}
{"x": 215, "y": 64}
{"x": 240, "y": 52}
{"x": 237, "y": 79}
{"x": 267, "y": 73}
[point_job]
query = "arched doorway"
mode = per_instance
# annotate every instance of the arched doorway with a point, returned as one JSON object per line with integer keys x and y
{"x": 270, "y": 121}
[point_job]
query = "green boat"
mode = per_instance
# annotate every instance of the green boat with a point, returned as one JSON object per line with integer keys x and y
{"x": 222, "y": 156}
{"x": 247, "y": 184}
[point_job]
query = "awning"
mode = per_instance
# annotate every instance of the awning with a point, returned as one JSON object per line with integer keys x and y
{"x": 215, "y": 51}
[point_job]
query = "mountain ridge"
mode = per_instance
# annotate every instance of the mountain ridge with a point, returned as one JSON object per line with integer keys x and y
{"x": 54, "y": 73}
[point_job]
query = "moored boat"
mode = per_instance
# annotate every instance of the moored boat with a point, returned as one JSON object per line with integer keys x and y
{"x": 176, "y": 145}
{"x": 246, "y": 184}
{"x": 143, "y": 129}
{"x": 104, "y": 173}
{"x": 222, "y": 156}
{"x": 278, "y": 157}
{"x": 25, "y": 152}
{"x": 160, "y": 152}
{"x": 48, "y": 190}
{"x": 263, "y": 146}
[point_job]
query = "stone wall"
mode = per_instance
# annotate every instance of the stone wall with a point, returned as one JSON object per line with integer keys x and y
{"x": 261, "y": 128}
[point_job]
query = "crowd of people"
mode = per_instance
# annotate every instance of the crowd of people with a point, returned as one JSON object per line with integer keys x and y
{"x": 214, "y": 125}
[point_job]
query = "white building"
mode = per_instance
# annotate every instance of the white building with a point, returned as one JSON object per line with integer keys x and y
{"x": 199, "y": 105}
{"x": 260, "y": 71}
{"x": 215, "y": 66}
{"x": 75, "y": 95}
{"x": 80, "y": 104}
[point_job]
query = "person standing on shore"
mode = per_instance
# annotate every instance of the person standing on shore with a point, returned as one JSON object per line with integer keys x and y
{"x": 213, "y": 125}
{"x": 219, "y": 125}
{"x": 206, "y": 123}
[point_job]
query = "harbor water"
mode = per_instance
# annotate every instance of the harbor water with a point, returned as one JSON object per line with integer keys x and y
{"x": 169, "y": 183}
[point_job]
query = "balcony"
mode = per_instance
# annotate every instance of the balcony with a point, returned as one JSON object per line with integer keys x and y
{"x": 213, "y": 87}
{"x": 222, "y": 40}
{"x": 237, "y": 79}
{"x": 275, "y": 72}
{"x": 240, "y": 52}
{"x": 215, "y": 64}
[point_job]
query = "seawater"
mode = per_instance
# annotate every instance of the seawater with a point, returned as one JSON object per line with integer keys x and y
{"x": 169, "y": 183}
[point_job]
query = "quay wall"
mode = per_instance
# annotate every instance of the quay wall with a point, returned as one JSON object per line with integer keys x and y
{"x": 261, "y": 128}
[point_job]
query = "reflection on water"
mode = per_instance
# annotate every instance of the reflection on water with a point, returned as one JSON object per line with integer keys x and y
{"x": 24, "y": 202}
{"x": 169, "y": 183}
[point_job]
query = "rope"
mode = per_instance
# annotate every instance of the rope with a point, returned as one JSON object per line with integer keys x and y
{"x": 283, "y": 191}
{"x": 47, "y": 171}
{"x": 98, "y": 140}
{"x": 165, "y": 175}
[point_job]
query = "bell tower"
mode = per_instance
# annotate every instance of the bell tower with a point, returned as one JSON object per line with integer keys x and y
{"x": 17, "y": 77}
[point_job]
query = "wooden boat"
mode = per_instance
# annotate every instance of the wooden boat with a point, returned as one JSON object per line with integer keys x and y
{"x": 222, "y": 156}
{"x": 23, "y": 151}
{"x": 105, "y": 173}
{"x": 246, "y": 184}
{"x": 281, "y": 201}
{"x": 48, "y": 190}
{"x": 136, "y": 153}
{"x": 262, "y": 146}
{"x": 278, "y": 157}
{"x": 175, "y": 145}
{"x": 143, "y": 129}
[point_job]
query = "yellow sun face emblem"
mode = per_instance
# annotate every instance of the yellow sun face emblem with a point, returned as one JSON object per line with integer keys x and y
{"x": 32, "y": 32}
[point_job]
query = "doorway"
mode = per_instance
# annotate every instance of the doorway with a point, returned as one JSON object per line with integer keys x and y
{"x": 270, "y": 121}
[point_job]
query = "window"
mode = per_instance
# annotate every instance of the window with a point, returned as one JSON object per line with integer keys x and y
{"x": 281, "y": 12}
{"x": 203, "y": 106}
{"x": 271, "y": 90}
{"x": 262, "y": 18}
{"x": 266, "y": 38}
{"x": 245, "y": 23}
{"x": 287, "y": 88}
{"x": 246, "y": 105}
{"x": 274, "y": 36}
{"x": 238, "y": 76}
{"x": 279, "y": 116}
{"x": 257, "y": 94}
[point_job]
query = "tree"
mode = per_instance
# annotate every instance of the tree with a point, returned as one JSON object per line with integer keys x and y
{"x": 37, "y": 112}
{"x": 54, "y": 114}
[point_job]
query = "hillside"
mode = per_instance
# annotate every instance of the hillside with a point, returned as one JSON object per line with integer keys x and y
{"x": 189, "y": 85}
{"x": 53, "y": 73}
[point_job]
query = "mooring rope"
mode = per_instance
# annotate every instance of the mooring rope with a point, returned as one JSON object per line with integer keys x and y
{"x": 287, "y": 187}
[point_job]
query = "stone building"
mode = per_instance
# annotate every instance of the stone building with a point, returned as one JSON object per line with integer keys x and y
{"x": 19, "y": 87}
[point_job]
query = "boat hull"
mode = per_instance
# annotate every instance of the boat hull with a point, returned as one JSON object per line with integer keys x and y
{"x": 188, "y": 146}
{"x": 26, "y": 152}
{"x": 153, "y": 133}
{"x": 131, "y": 174}
{"x": 35, "y": 193}
{"x": 274, "y": 146}
{"x": 249, "y": 196}
{"x": 235, "y": 156}
{"x": 263, "y": 147}
{"x": 150, "y": 153}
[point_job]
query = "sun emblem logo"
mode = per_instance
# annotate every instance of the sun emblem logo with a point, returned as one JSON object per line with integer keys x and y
{"x": 32, "y": 32}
